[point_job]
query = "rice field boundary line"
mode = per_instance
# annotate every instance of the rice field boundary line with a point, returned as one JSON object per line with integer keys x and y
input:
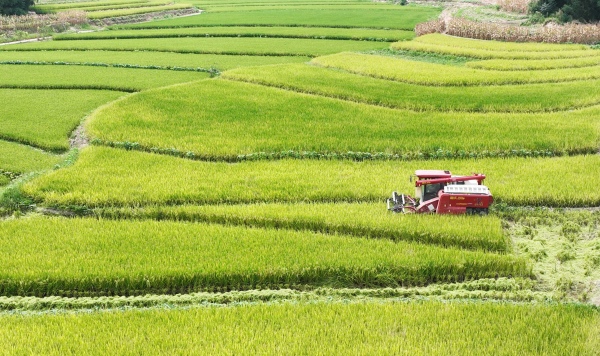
{"x": 226, "y": 53}
{"x": 482, "y": 85}
{"x": 26, "y": 41}
{"x": 67, "y": 87}
{"x": 236, "y": 35}
{"x": 353, "y": 156}
{"x": 293, "y": 89}
{"x": 213, "y": 71}
{"x": 252, "y": 25}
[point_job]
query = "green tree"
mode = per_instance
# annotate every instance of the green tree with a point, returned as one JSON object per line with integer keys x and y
{"x": 568, "y": 10}
{"x": 14, "y": 7}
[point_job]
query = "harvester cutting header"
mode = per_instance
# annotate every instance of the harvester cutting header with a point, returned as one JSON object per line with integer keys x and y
{"x": 440, "y": 192}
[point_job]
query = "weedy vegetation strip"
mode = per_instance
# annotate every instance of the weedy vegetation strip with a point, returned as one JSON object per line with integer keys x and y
{"x": 114, "y": 177}
{"x": 368, "y": 220}
{"x": 434, "y": 74}
{"x": 248, "y": 31}
{"x": 404, "y": 18}
{"x": 102, "y": 14}
{"x": 461, "y": 42}
{"x": 210, "y": 45}
{"x": 432, "y": 328}
{"x": 508, "y": 98}
{"x": 69, "y": 257}
{"x": 84, "y": 77}
{"x": 158, "y": 60}
{"x": 46, "y": 118}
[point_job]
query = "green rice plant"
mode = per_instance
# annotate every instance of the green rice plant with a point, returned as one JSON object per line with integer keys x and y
{"x": 16, "y": 159}
{"x": 508, "y": 98}
{"x": 134, "y": 5}
{"x": 534, "y": 64}
{"x": 387, "y": 67}
{"x": 495, "y": 46}
{"x": 232, "y": 46}
{"x": 158, "y": 60}
{"x": 361, "y": 220}
{"x": 400, "y": 328}
{"x": 58, "y": 256}
{"x": 403, "y": 18}
{"x": 218, "y": 119}
{"x": 46, "y": 118}
{"x": 491, "y": 54}
{"x": 103, "y": 14}
{"x": 88, "y": 77}
{"x": 113, "y": 177}
{"x": 248, "y": 31}
{"x": 53, "y": 7}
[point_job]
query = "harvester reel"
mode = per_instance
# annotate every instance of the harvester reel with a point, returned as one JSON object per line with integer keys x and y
{"x": 401, "y": 203}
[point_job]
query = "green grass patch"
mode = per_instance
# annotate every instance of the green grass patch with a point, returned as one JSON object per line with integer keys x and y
{"x": 112, "y": 177}
{"x": 4, "y": 180}
{"x": 211, "y": 45}
{"x": 347, "y": 86}
{"x": 219, "y": 119}
{"x": 534, "y": 64}
{"x": 402, "y": 18}
{"x": 417, "y": 72}
{"x": 56, "y": 256}
{"x": 86, "y": 77}
{"x": 16, "y": 159}
{"x": 45, "y": 118}
{"x": 370, "y": 220}
{"x": 158, "y": 60}
{"x": 253, "y": 31}
{"x": 432, "y": 328}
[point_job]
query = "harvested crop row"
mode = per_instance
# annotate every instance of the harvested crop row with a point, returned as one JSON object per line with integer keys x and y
{"x": 489, "y": 54}
{"x": 495, "y": 46}
{"x": 358, "y": 88}
{"x": 218, "y": 119}
{"x": 84, "y": 77}
{"x": 54, "y": 256}
{"x": 534, "y": 64}
{"x": 403, "y": 70}
{"x": 112, "y": 177}
{"x": 45, "y": 118}
{"x": 430, "y": 328}
{"x": 404, "y": 18}
{"x": 211, "y": 45}
{"x": 370, "y": 220}
{"x": 16, "y": 158}
{"x": 253, "y": 31}
{"x": 159, "y": 60}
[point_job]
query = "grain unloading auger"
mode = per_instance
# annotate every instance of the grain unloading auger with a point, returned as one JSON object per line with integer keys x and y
{"x": 442, "y": 193}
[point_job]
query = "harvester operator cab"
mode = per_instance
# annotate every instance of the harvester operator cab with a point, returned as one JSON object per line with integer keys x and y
{"x": 426, "y": 192}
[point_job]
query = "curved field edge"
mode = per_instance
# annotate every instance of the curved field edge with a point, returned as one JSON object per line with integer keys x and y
{"x": 432, "y": 328}
{"x": 369, "y": 220}
{"x": 73, "y": 257}
{"x": 220, "y": 120}
{"x": 113, "y": 177}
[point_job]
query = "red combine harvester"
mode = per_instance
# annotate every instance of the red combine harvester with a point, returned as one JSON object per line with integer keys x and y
{"x": 442, "y": 193}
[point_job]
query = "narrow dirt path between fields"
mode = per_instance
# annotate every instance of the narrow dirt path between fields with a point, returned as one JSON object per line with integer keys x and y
{"x": 78, "y": 138}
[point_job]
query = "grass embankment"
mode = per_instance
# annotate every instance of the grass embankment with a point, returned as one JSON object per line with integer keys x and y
{"x": 114, "y": 177}
{"x": 211, "y": 45}
{"x": 85, "y": 77}
{"x": 387, "y": 67}
{"x": 86, "y": 257}
{"x": 507, "y": 98}
{"x": 323, "y": 328}
{"x": 248, "y": 31}
{"x": 404, "y": 18}
{"x": 45, "y": 118}
{"x": 367, "y": 220}
{"x": 219, "y": 119}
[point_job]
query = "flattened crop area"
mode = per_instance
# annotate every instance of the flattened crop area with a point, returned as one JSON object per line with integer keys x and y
{"x": 262, "y": 188}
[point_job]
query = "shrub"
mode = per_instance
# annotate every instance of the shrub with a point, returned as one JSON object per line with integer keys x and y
{"x": 14, "y": 7}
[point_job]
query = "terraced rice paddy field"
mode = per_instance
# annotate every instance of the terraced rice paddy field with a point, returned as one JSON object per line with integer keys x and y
{"x": 218, "y": 181}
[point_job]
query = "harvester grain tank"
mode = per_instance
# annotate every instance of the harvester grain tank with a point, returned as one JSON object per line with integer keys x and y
{"x": 440, "y": 192}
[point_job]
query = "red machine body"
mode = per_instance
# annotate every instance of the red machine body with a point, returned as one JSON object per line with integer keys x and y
{"x": 440, "y": 192}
